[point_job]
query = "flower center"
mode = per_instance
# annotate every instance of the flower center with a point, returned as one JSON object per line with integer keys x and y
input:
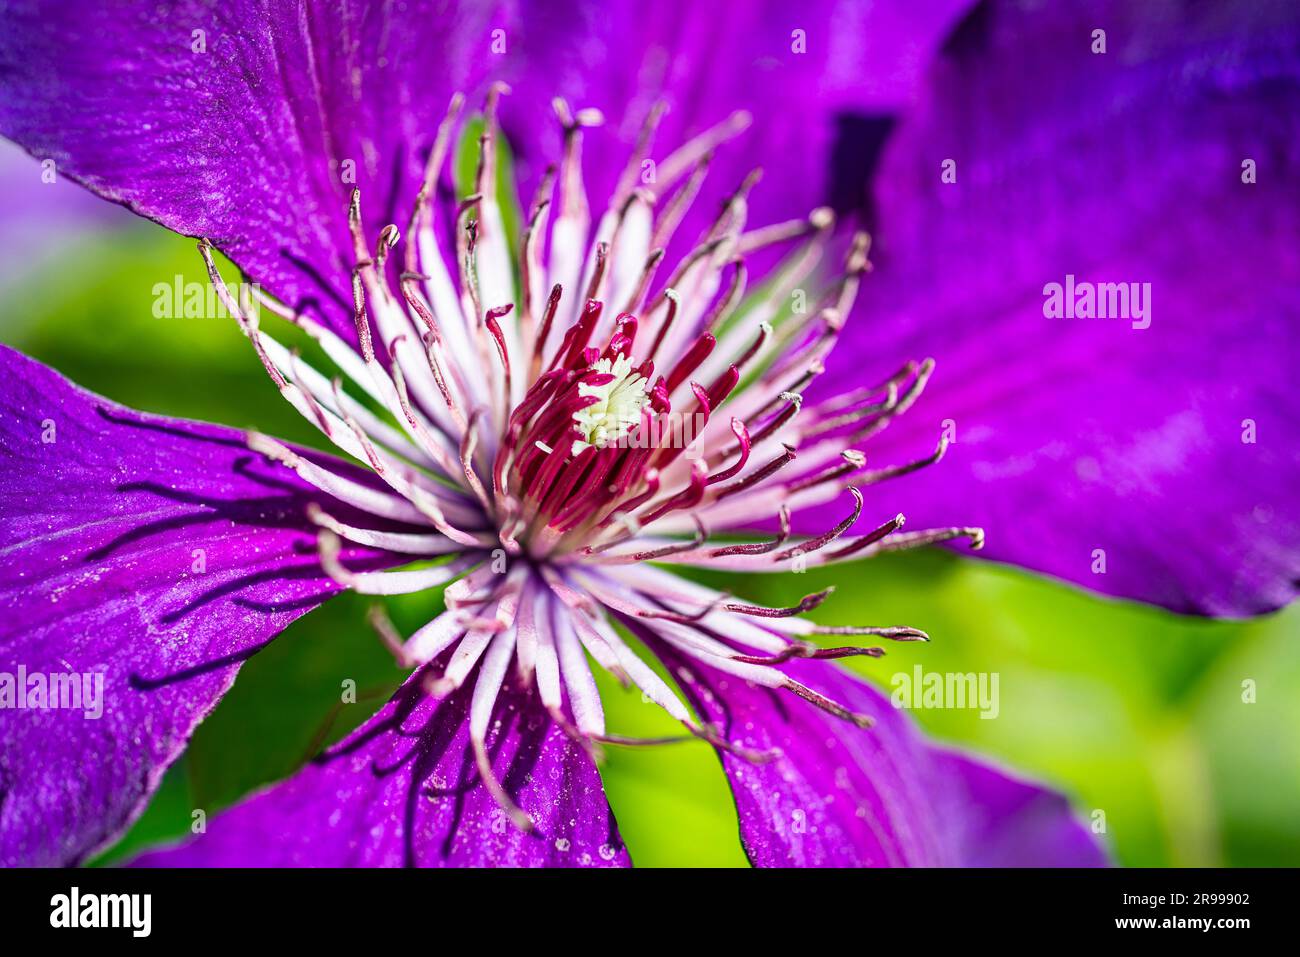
{"x": 620, "y": 393}
{"x": 521, "y": 443}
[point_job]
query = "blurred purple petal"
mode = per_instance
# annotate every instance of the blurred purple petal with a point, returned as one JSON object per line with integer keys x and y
{"x": 1011, "y": 822}
{"x": 144, "y": 556}
{"x": 1156, "y": 464}
{"x": 403, "y": 790}
{"x": 44, "y": 217}
{"x": 813, "y": 76}
{"x": 839, "y": 796}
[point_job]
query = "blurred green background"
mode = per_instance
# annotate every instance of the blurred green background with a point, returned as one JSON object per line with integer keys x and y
{"x": 1129, "y": 710}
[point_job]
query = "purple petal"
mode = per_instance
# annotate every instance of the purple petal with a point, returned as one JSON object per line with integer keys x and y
{"x": 153, "y": 555}
{"x": 1011, "y": 822}
{"x": 254, "y": 141}
{"x": 1167, "y": 456}
{"x": 402, "y": 790}
{"x": 841, "y": 796}
{"x": 811, "y": 76}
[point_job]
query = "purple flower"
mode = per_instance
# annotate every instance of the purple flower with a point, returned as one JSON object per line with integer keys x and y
{"x": 657, "y": 366}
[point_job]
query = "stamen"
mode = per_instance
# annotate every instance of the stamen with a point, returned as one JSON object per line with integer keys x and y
{"x": 799, "y": 650}
{"x": 531, "y": 269}
{"x": 894, "y": 471}
{"x": 904, "y": 403}
{"x": 389, "y": 635}
{"x": 696, "y": 149}
{"x": 491, "y": 676}
{"x": 828, "y": 705}
{"x": 636, "y": 298}
{"x": 655, "y": 554}
{"x": 596, "y": 284}
{"x": 823, "y": 217}
{"x": 893, "y": 525}
{"x": 794, "y": 402}
{"x": 463, "y": 660}
{"x": 645, "y": 137}
{"x": 674, "y": 304}
{"x": 764, "y": 333}
{"x": 352, "y": 493}
{"x": 759, "y": 548}
{"x": 432, "y": 169}
{"x": 246, "y": 323}
{"x": 696, "y": 354}
{"x": 384, "y": 583}
{"x": 433, "y": 639}
{"x": 405, "y": 542}
{"x": 727, "y": 302}
{"x": 931, "y": 537}
{"x": 491, "y": 320}
{"x": 388, "y": 238}
{"x": 785, "y": 458}
{"x": 806, "y": 604}
{"x": 405, "y": 482}
{"x": 468, "y": 443}
{"x": 429, "y": 443}
{"x": 742, "y": 438}
{"x": 897, "y": 633}
{"x": 710, "y": 733}
{"x": 625, "y": 741}
{"x": 548, "y": 317}
{"x": 853, "y": 460}
{"x": 517, "y": 816}
{"x": 812, "y": 545}
{"x": 731, "y": 217}
{"x": 679, "y": 204}
{"x": 584, "y": 698}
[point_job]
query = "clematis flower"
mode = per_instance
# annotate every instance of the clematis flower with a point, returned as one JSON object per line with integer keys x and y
{"x": 552, "y": 409}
